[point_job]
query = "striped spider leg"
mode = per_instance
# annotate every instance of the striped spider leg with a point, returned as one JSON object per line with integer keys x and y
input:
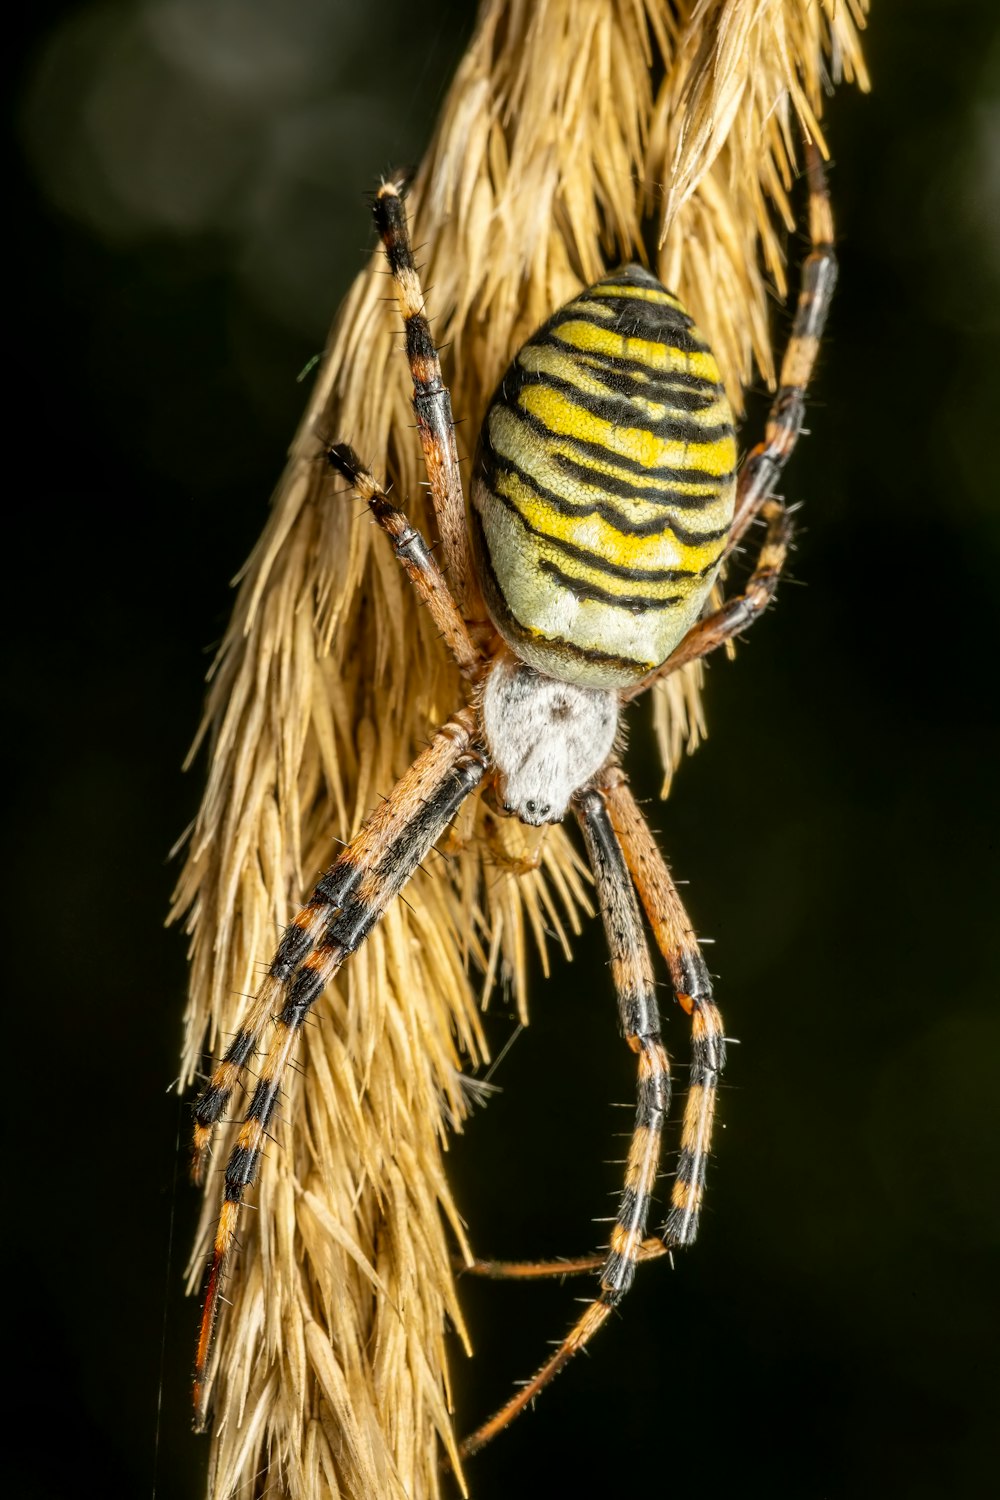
{"x": 357, "y": 889}
{"x": 343, "y": 909}
{"x": 432, "y": 405}
{"x": 692, "y": 988}
{"x": 431, "y": 400}
{"x": 416, "y": 558}
{"x": 308, "y": 925}
{"x": 639, "y": 1020}
{"x": 764, "y": 463}
{"x": 625, "y": 860}
{"x": 738, "y": 612}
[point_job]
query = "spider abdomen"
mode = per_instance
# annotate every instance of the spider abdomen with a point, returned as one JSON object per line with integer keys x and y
{"x": 604, "y": 485}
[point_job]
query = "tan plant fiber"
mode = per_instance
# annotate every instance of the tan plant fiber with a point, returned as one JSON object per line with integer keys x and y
{"x": 572, "y": 129}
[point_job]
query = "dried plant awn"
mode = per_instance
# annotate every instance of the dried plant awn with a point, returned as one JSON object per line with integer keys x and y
{"x": 331, "y": 1372}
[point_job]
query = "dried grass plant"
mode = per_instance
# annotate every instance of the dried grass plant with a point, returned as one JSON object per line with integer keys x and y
{"x": 571, "y": 127}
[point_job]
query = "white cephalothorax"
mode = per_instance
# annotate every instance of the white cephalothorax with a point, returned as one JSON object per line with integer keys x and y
{"x": 546, "y": 739}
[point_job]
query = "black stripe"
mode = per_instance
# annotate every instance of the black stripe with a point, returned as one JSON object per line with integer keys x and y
{"x": 653, "y": 1097}
{"x": 653, "y": 323}
{"x": 294, "y": 945}
{"x": 355, "y": 917}
{"x": 638, "y": 1012}
{"x": 432, "y": 405}
{"x": 819, "y": 278}
{"x": 304, "y": 990}
{"x": 681, "y": 1227}
{"x": 692, "y": 976}
{"x": 618, "y": 409}
{"x": 420, "y": 346}
{"x": 501, "y": 610}
{"x": 581, "y": 589}
{"x": 494, "y": 463}
{"x": 390, "y": 220}
{"x": 240, "y": 1048}
{"x": 336, "y": 884}
{"x": 645, "y": 376}
{"x": 666, "y": 312}
{"x": 632, "y": 1209}
{"x": 708, "y": 1058}
{"x": 666, "y": 500}
{"x": 262, "y": 1103}
{"x": 595, "y": 560}
{"x": 633, "y": 385}
{"x": 344, "y": 461}
{"x": 616, "y": 1278}
{"x": 353, "y": 923}
{"x": 602, "y": 452}
{"x": 692, "y": 1167}
{"x": 654, "y": 314}
{"x": 211, "y": 1104}
{"x": 240, "y": 1169}
{"x": 427, "y": 824}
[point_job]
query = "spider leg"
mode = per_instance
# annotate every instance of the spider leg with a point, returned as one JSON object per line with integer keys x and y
{"x": 764, "y": 463}
{"x": 415, "y": 556}
{"x": 388, "y": 823}
{"x": 346, "y": 905}
{"x": 693, "y": 988}
{"x": 539, "y": 1270}
{"x": 640, "y": 1023}
{"x": 431, "y": 400}
{"x": 737, "y": 613}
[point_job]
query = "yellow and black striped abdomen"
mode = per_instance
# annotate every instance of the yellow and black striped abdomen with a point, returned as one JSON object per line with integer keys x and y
{"x": 604, "y": 485}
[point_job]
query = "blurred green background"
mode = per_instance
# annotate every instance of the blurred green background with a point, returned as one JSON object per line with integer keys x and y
{"x": 185, "y": 212}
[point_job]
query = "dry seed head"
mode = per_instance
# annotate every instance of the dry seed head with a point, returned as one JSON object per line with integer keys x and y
{"x": 552, "y": 154}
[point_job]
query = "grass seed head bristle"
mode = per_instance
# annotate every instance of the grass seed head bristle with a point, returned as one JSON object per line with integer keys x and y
{"x": 330, "y": 1371}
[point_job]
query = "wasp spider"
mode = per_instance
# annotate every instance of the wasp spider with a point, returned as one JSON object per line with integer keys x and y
{"x": 605, "y": 499}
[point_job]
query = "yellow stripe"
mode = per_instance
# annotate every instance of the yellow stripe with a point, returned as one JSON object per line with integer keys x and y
{"x": 537, "y": 456}
{"x": 249, "y": 1135}
{"x": 226, "y": 1227}
{"x": 643, "y": 1160}
{"x": 539, "y": 459}
{"x": 566, "y": 419}
{"x": 706, "y": 1021}
{"x": 542, "y": 359}
{"x": 597, "y": 536}
{"x": 687, "y": 1196}
{"x": 624, "y": 1242}
{"x": 593, "y": 339}
{"x": 640, "y": 293}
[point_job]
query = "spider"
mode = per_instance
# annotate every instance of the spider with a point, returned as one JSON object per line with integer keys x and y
{"x": 605, "y": 500}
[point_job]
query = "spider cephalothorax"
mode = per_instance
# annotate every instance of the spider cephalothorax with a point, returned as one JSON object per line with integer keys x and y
{"x": 605, "y": 501}
{"x": 545, "y": 739}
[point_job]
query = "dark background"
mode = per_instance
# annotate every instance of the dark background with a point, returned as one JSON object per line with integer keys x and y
{"x": 185, "y": 210}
